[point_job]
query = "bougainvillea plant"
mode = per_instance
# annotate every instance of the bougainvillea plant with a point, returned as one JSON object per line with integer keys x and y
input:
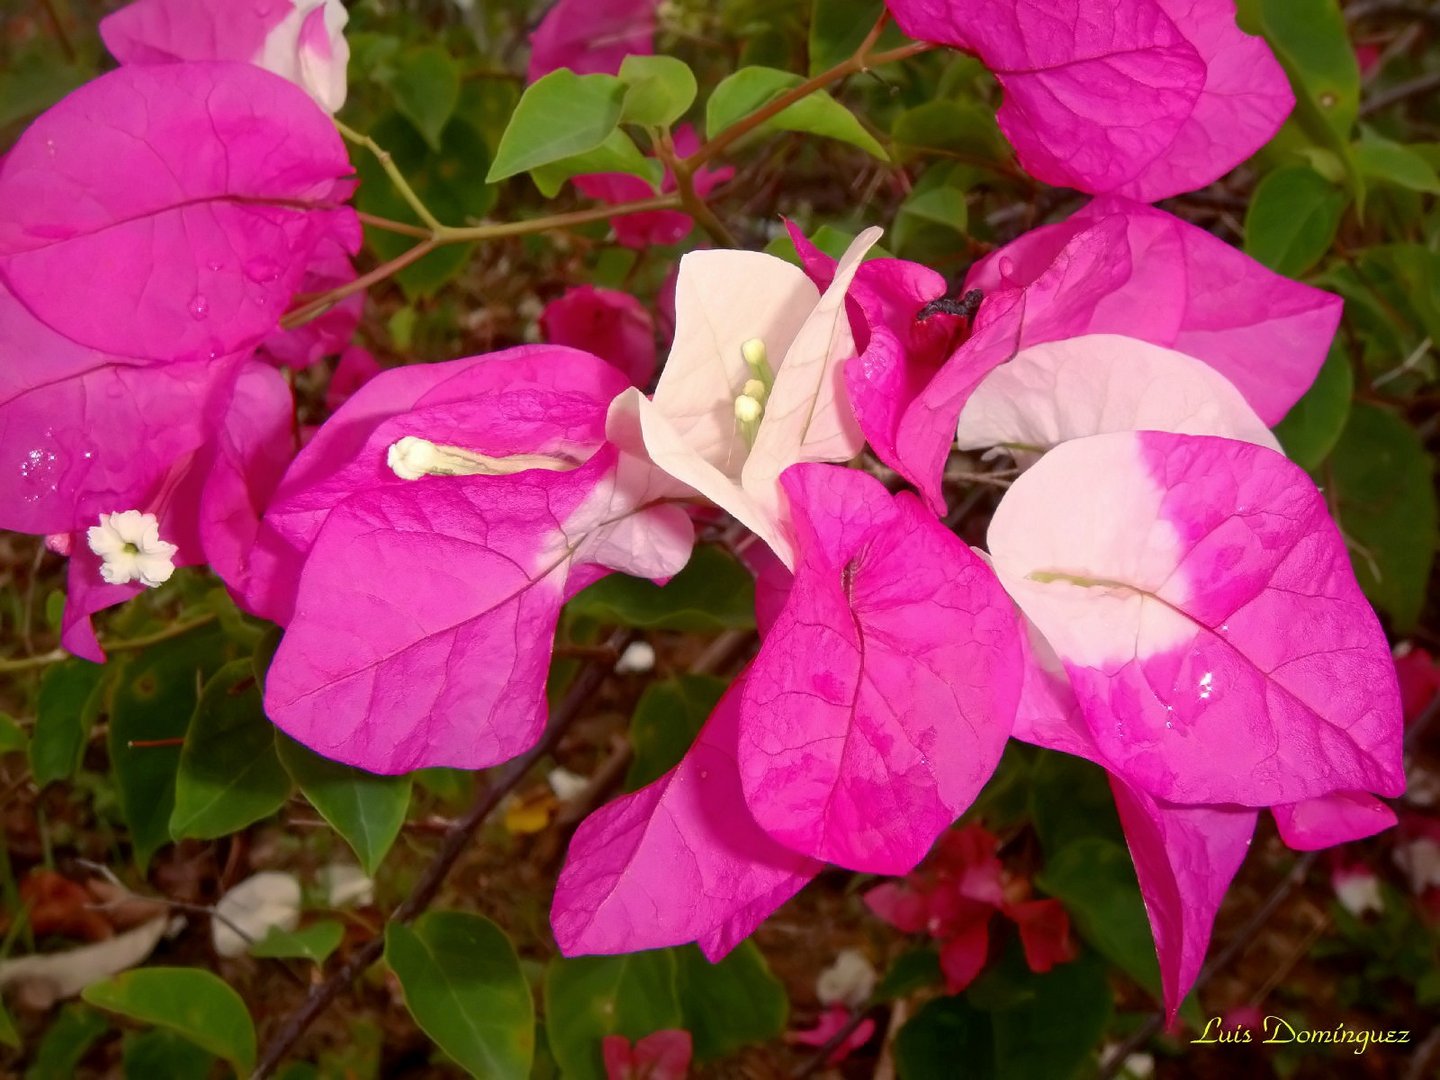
{"x": 1159, "y": 591}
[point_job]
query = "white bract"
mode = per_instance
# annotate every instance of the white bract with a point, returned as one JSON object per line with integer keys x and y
{"x": 131, "y": 549}
{"x": 250, "y": 910}
{"x": 753, "y": 383}
{"x": 308, "y": 47}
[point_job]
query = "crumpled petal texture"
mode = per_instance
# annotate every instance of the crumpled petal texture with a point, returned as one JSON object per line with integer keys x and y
{"x": 886, "y": 689}
{"x": 196, "y": 191}
{"x": 1332, "y": 819}
{"x": 679, "y": 860}
{"x": 611, "y": 324}
{"x": 1204, "y": 607}
{"x": 1142, "y": 98}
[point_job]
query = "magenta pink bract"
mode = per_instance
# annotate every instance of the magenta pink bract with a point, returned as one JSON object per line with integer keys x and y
{"x": 424, "y": 609}
{"x": 1143, "y": 98}
{"x": 1114, "y": 267}
{"x": 613, "y": 325}
{"x": 679, "y": 860}
{"x": 592, "y": 36}
{"x": 886, "y": 689}
{"x": 195, "y": 191}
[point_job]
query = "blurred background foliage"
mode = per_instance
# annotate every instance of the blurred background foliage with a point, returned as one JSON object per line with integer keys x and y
{"x": 136, "y": 795}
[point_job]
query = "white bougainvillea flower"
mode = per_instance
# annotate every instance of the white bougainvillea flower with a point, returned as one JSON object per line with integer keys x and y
{"x": 1100, "y": 383}
{"x": 752, "y": 385}
{"x": 130, "y": 545}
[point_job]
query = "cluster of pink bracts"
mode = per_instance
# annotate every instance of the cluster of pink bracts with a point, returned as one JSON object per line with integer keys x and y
{"x": 1164, "y": 593}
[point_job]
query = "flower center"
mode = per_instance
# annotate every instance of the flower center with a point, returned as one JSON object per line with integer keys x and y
{"x": 411, "y": 457}
{"x": 750, "y": 405}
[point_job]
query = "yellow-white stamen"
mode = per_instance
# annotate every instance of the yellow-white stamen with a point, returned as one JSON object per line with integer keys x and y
{"x": 757, "y": 360}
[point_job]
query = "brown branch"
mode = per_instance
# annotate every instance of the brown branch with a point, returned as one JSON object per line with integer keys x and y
{"x": 456, "y": 840}
{"x": 1396, "y": 94}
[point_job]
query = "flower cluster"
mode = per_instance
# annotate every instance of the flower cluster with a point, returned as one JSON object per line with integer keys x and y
{"x": 1163, "y": 593}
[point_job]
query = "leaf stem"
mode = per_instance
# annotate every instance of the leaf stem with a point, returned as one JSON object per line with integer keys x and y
{"x": 54, "y": 656}
{"x": 393, "y": 172}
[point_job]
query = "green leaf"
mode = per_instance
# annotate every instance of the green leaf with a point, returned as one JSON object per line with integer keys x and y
{"x": 426, "y": 88}
{"x": 1313, "y": 425}
{"x": 929, "y": 223}
{"x": 1070, "y": 800}
{"x": 589, "y": 997}
{"x": 838, "y": 27}
{"x": 188, "y": 1001}
{"x": 1382, "y": 481}
{"x": 1311, "y": 40}
{"x": 8, "y": 1035}
{"x": 1394, "y": 163}
{"x": 365, "y": 809}
{"x": 751, "y": 88}
{"x": 712, "y": 593}
{"x": 1057, "y": 1029}
{"x": 732, "y": 1003}
{"x": 911, "y": 972}
{"x": 559, "y": 116}
{"x": 1292, "y": 219}
{"x": 155, "y": 696}
{"x": 229, "y": 775}
{"x": 314, "y": 943}
{"x": 1095, "y": 880}
{"x": 660, "y": 89}
{"x": 617, "y": 154}
{"x": 666, "y": 720}
{"x": 463, "y": 985}
{"x": 946, "y": 1031}
{"x": 12, "y": 738}
{"x": 964, "y": 130}
{"x": 66, "y": 1042}
{"x": 70, "y": 697}
{"x": 164, "y": 1055}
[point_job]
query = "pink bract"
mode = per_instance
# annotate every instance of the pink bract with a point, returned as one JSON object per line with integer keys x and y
{"x": 1115, "y": 267}
{"x": 661, "y": 1055}
{"x": 329, "y": 333}
{"x": 592, "y": 36}
{"x": 195, "y": 191}
{"x": 422, "y": 624}
{"x": 886, "y": 689}
{"x": 1143, "y": 98}
{"x": 354, "y": 369}
{"x": 652, "y": 228}
{"x": 299, "y": 40}
{"x": 1332, "y": 819}
{"x": 613, "y": 325}
{"x": 1204, "y": 608}
{"x": 679, "y": 860}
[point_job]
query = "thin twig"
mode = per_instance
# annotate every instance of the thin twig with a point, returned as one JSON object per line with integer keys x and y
{"x": 1424, "y": 84}
{"x": 54, "y": 656}
{"x": 455, "y": 842}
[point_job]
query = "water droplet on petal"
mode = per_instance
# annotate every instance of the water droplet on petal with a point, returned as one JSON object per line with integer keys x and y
{"x": 199, "y": 307}
{"x": 262, "y": 270}
{"x": 215, "y": 264}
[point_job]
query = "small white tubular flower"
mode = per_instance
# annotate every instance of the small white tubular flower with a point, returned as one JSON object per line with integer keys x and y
{"x": 412, "y": 457}
{"x": 131, "y": 549}
{"x": 849, "y": 981}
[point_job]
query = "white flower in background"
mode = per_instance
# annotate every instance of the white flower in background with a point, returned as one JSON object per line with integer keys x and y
{"x": 638, "y": 658}
{"x": 345, "y": 884}
{"x": 130, "y": 545}
{"x": 249, "y": 910}
{"x": 1358, "y": 890}
{"x": 1421, "y": 860}
{"x": 567, "y": 785}
{"x": 849, "y": 981}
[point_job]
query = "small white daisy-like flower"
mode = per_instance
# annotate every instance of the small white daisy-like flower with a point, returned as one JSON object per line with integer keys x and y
{"x": 130, "y": 545}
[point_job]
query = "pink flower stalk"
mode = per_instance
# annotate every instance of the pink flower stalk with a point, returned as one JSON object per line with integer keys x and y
{"x": 592, "y": 37}
{"x": 953, "y": 898}
{"x": 661, "y": 1055}
{"x": 1141, "y": 98}
{"x": 299, "y": 40}
{"x": 613, "y": 325}
{"x": 1115, "y": 267}
{"x": 652, "y": 228}
{"x": 829, "y": 1024}
{"x": 425, "y": 539}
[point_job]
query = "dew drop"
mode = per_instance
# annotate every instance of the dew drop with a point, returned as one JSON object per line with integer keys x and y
{"x": 262, "y": 270}
{"x": 199, "y": 307}
{"x": 215, "y": 264}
